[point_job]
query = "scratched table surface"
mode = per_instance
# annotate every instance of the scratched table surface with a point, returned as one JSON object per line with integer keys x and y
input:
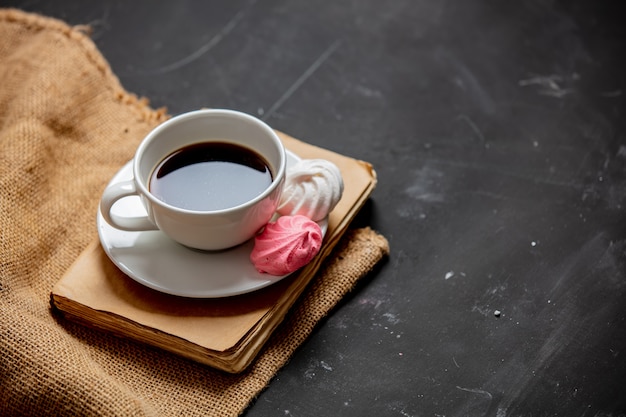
{"x": 497, "y": 130}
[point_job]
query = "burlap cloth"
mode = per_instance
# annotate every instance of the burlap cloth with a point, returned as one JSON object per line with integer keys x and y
{"x": 66, "y": 126}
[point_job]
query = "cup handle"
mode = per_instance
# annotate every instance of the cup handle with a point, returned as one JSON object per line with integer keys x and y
{"x": 115, "y": 192}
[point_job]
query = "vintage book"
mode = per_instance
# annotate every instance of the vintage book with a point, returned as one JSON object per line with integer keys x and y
{"x": 225, "y": 333}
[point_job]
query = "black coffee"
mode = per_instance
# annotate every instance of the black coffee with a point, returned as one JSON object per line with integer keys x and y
{"x": 210, "y": 176}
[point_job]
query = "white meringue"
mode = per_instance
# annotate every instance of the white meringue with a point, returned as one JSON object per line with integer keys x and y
{"x": 313, "y": 187}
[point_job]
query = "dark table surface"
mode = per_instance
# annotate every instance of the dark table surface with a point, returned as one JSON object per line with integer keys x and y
{"x": 497, "y": 129}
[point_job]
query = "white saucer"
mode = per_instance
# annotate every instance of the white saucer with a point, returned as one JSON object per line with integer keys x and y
{"x": 156, "y": 261}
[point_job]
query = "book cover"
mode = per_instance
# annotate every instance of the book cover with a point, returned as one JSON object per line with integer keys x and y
{"x": 225, "y": 333}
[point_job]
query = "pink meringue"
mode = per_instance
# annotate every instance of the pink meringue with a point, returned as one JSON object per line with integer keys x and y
{"x": 286, "y": 245}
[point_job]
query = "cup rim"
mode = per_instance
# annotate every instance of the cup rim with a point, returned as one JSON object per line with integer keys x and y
{"x": 180, "y": 118}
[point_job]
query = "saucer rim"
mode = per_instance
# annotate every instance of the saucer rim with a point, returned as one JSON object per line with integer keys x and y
{"x": 264, "y": 281}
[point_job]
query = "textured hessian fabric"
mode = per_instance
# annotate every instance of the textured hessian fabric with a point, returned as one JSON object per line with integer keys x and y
{"x": 66, "y": 127}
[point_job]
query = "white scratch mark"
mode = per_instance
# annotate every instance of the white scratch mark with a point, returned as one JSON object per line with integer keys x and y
{"x": 298, "y": 83}
{"x": 428, "y": 197}
{"x": 400, "y": 408}
{"x": 230, "y": 25}
{"x": 549, "y": 85}
{"x": 455, "y": 362}
{"x": 391, "y": 318}
{"x": 368, "y": 92}
{"x": 473, "y": 126}
{"x": 556, "y": 93}
{"x": 482, "y": 310}
{"x": 476, "y": 391}
{"x": 373, "y": 302}
{"x": 549, "y": 81}
{"x": 326, "y": 366}
{"x": 466, "y": 78}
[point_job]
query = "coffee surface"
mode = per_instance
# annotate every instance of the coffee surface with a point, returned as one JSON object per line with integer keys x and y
{"x": 210, "y": 176}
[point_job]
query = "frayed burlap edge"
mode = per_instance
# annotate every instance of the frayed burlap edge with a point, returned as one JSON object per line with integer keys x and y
{"x": 109, "y": 376}
{"x": 80, "y": 35}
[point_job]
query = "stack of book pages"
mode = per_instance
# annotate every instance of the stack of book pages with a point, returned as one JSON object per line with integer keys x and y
{"x": 225, "y": 333}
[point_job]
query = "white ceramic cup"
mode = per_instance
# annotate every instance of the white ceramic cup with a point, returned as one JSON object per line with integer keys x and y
{"x": 206, "y": 230}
